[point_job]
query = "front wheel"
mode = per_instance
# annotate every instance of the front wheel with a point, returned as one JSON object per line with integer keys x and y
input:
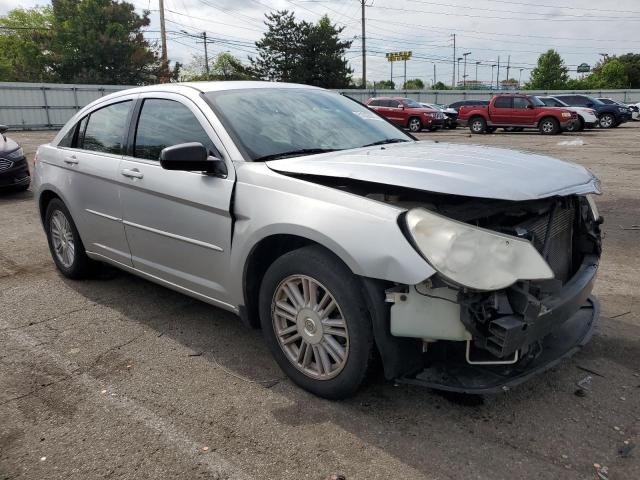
{"x": 415, "y": 125}
{"x": 315, "y": 322}
{"x": 549, "y": 126}
{"x": 607, "y": 120}
{"x": 477, "y": 125}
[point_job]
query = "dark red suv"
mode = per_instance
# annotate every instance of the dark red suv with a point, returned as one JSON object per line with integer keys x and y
{"x": 407, "y": 113}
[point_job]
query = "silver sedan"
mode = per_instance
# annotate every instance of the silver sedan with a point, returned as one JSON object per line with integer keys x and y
{"x": 462, "y": 268}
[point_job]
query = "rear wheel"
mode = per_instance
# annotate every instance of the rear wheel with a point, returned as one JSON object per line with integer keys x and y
{"x": 477, "y": 125}
{"x": 607, "y": 120}
{"x": 315, "y": 322}
{"x": 415, "y": 124}
{"x": 549, "y": 126}
{"x": 64, "y": 241}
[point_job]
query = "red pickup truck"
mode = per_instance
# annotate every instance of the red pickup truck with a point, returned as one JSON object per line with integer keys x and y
{"x": 516, "y": 112}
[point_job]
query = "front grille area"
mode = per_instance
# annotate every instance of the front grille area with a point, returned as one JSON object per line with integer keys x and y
{"x": 552, "y": 235}
{"x": 5, "y": 164}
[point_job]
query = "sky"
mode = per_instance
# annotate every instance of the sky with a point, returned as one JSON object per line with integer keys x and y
{"x": 517, "y": 31}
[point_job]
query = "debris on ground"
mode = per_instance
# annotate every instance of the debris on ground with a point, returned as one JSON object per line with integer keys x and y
{"x": 625, "y": 450}
{"x": 195, "y": 354}
{"x": 621, "y": 314}
{"x": 205, "y": 449}
{"x": 578, "y": 142}
{"x": 584, "y": 386}
{"x": 601, "y": 471}
{"x": 590, "y": 370}
{"x": 336, "y": 476}
{"x": 42, "y": 459}
{"x": 632, "y": 227}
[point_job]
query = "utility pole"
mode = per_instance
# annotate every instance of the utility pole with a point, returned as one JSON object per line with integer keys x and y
{"x": 498, "y": 75}
{"x": 164, "y": 78}
{"x": 434, "y": 74}
{"x": 477, "y": 63}
{"x": 464, "y": 76}
{"x": 206, "y": 54}
{"x": 364, "y": 47}
{"x": 459, "y": 58}
{"x": 508, "y": 66}
{"x": 405, "y": 75}
{"x": 453, "y": 76}
{"x": 492, "y": 67}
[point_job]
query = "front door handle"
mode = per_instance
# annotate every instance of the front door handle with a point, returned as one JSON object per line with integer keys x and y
{"x": 71, "y": 160}
{"x": 133, "y": 173}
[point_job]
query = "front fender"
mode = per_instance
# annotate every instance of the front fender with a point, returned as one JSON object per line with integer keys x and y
{"x": 363, "y": 233}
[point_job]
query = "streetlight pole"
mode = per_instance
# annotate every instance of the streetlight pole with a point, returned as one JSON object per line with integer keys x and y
{"x": 464, "y": 76}
{"x": 477, "y": 63}
{"x": 520, "y": 79}
{"x": 458, "y": 83}
{"x": 364, "y": 47}
{"x": 492, "y": 67}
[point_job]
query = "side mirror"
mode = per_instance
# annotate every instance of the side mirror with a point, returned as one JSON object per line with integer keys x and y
{"x": 192, "y": 157}
{"x": 3, "y": 128}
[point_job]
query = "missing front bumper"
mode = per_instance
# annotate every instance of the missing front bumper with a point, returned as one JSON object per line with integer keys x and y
{"x": 458, "y": 376}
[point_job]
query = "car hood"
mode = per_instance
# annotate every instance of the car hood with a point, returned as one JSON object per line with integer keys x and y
{"x": 7, "y": 145}
{"x": 467, "y": 170}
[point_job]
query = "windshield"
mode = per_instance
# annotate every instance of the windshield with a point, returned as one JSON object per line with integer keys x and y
{"x": 411, "y": 103}
{"x": 595, "y": 101}
{"x": 271, "y": 122}
{"x": 607, "y": 101}
{"x": 552, "y": 102}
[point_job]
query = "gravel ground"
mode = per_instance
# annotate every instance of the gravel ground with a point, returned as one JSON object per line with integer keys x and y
{"x": 120, "y": 378}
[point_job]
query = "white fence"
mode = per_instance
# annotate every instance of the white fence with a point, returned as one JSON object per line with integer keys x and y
{"x": 49, "y": 105}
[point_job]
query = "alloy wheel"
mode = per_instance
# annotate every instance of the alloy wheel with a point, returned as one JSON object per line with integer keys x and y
{"x": 414, "y": 125}
{"x": 548, "y": 126}
{"x": 477, "y": 126}
{"x": 62, "y": 239}
{"x": 606, "y": 121}
{"x": 309, "y": 326}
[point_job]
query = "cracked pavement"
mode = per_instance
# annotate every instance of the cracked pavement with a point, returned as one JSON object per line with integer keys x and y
{"x": 117, "y": 377}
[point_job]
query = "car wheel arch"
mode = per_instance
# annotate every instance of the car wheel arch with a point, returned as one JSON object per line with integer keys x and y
{"x": 261, "y": 255}
{"x": 45, "y": 197}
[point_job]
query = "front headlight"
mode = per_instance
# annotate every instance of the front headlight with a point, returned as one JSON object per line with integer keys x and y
{"x": 566, "y": 114}
{"x": 622, "y": 109}
{"x": 472, "y": 256}
{"x": 16, "y": 154}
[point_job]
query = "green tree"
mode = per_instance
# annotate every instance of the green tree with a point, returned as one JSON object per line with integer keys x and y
{"x": 224, "y": 66}
{"x": 440, "y": 86}
{"x": 385, "y": 85}
{"x": 631, "y": 62}
{"x": 550, "y": 73}
{"x": 25, "y": 33}
{"x": 610, "y": 74}
{"x": 302, "y": 52}
{"x": 414, "y": 84}
{"x": 101, "y": 41}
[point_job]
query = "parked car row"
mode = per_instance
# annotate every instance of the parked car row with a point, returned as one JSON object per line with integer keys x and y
{"x": 512, "y": 112}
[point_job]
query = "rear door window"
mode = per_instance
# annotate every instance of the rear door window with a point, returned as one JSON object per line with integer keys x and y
{"x": 105, "y": 128}
{"x": 503, "y": 102}
{"x": 520, "y": 103}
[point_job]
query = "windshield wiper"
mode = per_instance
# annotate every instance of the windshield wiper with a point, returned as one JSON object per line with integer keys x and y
{"x": 292, "y": 153}
{"x": 386, "y": 141}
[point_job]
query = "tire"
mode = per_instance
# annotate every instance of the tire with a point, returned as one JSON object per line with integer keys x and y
{"x": 606, "y": 120}
{"x": 75, "y": 263}
{"x": 477, "y": 125}
{"x": 415, "y": 124}
{"x": 575, "y": 126}
{"x": 344, "y": 373}
{"x": 549, "y": 126}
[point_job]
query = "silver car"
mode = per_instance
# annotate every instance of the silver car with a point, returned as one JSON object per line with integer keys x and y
{"x": 460, "y": 267}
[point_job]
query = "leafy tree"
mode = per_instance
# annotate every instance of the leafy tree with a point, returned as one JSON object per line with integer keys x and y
{"x": 631, "y": 62}
{"x": 440, "y": 86}
{"x": 224, "y": 66}
{"x": 611, "y": 74}
{"x": 414, "y": 84}
{"x": 22, "y": 56}
{"x": 79, "y": 41}
{"x": 302, "y": 52}
{"x": 550, "y": 73}
{"x": 385, "y": 85}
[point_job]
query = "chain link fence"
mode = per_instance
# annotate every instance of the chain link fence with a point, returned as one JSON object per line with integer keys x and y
{"x": 33, "y": 106}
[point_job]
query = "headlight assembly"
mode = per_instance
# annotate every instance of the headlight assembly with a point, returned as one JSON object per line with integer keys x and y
{"x": 592, "y": 205}
{"x": 566, "y": 114}
{"x": 16, "y": 154}
{"x": 474, "y": 257}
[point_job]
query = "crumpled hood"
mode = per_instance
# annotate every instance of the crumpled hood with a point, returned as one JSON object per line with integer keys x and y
{"x": 468, "y": 170}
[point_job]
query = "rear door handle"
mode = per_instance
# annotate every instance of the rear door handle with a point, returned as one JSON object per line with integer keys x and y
{"x": 133, "y": 173}
{"x": 71, "y": 159}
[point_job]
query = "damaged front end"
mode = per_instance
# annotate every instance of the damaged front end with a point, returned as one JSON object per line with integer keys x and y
{"x": 479, "y": 339}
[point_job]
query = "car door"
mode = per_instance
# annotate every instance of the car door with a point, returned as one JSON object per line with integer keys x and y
{"x": 91, "y": 152}
{"x": 396, "y": 112}
{"x": 502, "y": 111}
{"x": 523, "y": 112}
{"x": 177, "y": 223}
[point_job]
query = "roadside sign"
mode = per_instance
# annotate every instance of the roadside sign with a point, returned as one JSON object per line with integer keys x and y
{"x": 584, "y": 68}
{"x": 398, "y": 56}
